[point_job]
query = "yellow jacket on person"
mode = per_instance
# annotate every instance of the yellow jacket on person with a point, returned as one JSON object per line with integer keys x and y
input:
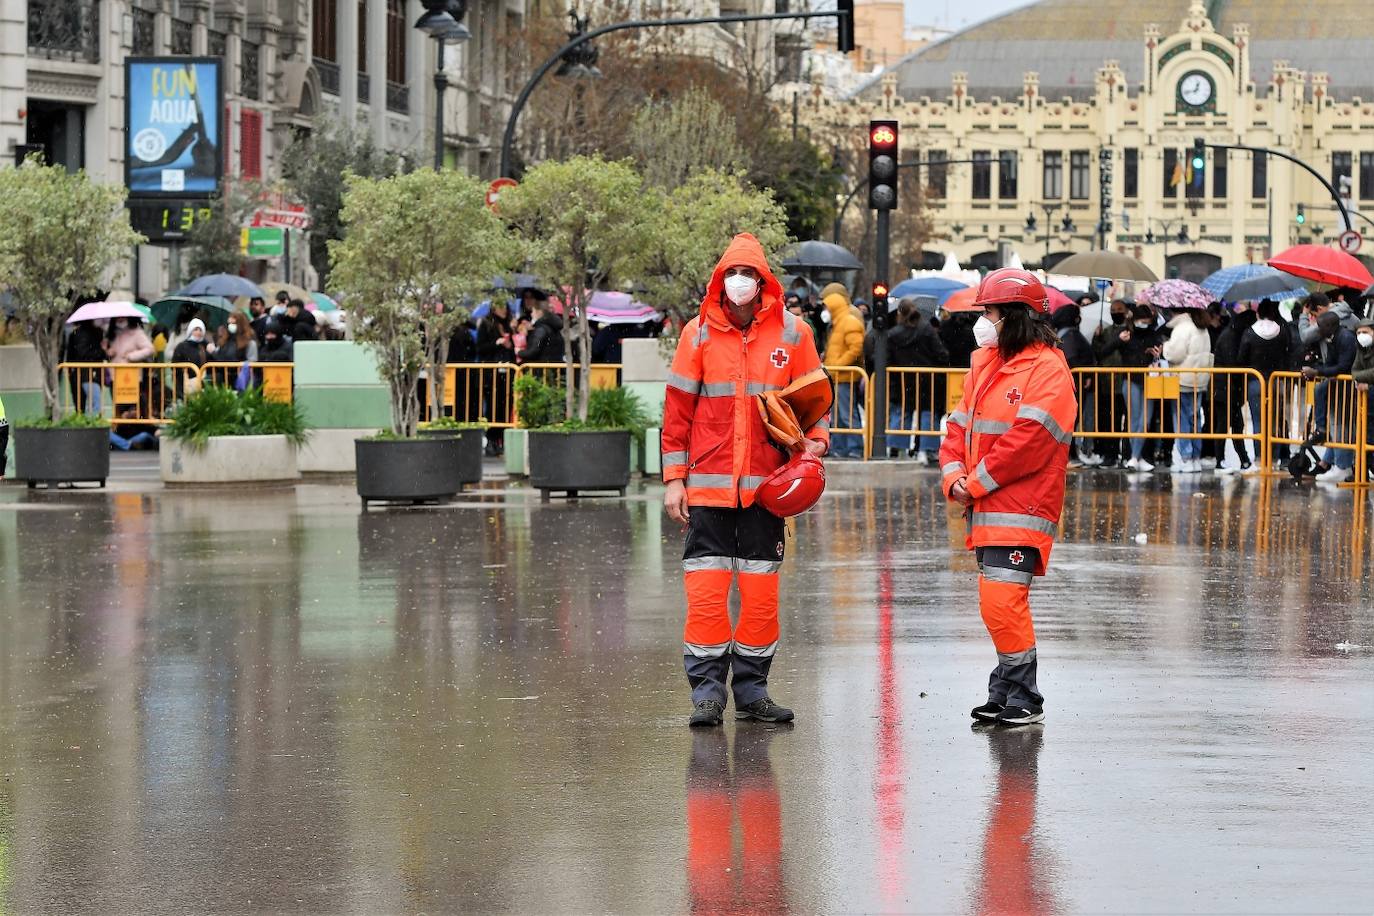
{"x": 846, "y": 345}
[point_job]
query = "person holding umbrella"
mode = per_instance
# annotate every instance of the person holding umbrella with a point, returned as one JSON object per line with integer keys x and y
{"x": 1004, "y": 459}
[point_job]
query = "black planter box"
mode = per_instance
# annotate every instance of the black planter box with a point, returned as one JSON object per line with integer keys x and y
{"x": 54, "y": 456}
{"x": 418, "y": 470}
{"x": 573, "y": 463}
{"x": 473, "y": 441}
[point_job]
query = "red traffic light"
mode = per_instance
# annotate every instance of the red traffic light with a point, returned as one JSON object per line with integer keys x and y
{"x": 879, "y": 289}
{"x": 882, "y": 135}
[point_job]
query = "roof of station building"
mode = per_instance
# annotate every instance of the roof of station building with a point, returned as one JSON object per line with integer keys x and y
{"x": 1067, "y": 41}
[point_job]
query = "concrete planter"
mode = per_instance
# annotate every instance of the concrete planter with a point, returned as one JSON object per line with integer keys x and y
{"x": 53, "y": 456}
{"x": 410, "y": 470}
{"x": 229, "y": 459}
{"x": 572, "y": 463}
{"x": 470, "y": 445}
{"x": 517, "y": 455}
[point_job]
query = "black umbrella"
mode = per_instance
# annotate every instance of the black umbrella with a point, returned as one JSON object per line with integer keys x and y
{"x": 816, "y": 255}
{"x": 1275, "y": 285}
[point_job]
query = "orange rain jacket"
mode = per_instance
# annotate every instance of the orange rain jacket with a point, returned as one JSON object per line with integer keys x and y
{"x": 1010, "y": 438}
{"x": 713, "y": 434}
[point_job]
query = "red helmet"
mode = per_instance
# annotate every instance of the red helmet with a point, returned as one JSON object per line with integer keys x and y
{"x": 794, "y": 487}
{"x": 1012, "y": 285}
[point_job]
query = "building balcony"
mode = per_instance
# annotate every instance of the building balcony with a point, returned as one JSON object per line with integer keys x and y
{"x": 65, "y": 29}
{"x": 397, "y": 97}
{"x": 329, "y": 75}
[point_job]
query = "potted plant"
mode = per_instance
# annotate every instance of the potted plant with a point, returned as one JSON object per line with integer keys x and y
{"x": 575, "y": 456}
{"x": 219, "y": 435}
{"x": 471, "y": 440}
{"x": 582, "y": 222}
{"x": 415, "y": 247}
{"x": 62, "y": 240}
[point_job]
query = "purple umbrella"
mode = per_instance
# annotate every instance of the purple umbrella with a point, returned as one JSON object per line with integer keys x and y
{"x": 619, "y": 308}
{"x": 95, "y": 311}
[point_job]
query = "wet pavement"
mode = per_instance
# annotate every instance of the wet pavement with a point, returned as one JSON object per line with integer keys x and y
{"x": 257, "y": 699}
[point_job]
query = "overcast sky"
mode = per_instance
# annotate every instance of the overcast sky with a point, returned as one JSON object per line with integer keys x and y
{"x": 956, "y": 14}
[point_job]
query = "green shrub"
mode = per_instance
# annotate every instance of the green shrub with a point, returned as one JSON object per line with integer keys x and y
{"x": 612, "y": 408}
{"x": 69, "y": 421}
{"x": 216, "y": 410}
{"x": 537, "y": 403}
{"x": 449, "y": 424}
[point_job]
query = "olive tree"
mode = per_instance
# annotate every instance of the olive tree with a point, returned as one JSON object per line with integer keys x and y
{"x": 693, "y": 226}
{"x": 415, "y": 248}
{"x": 582, "y": 221}
{"x": 63, "y": 239}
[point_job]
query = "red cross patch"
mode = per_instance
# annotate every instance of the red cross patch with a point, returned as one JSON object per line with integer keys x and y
{"x": 778, "y": 357}
{"x": 1013, "y": 396}
{"x": 1016, "y": 557}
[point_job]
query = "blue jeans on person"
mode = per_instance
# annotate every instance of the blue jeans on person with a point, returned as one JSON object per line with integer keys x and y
{"x": 137, "y": 440}
{"x": 1141, "y": 413}
{"x": 897, "y": 418}
{"x": 1188, "y": 420}
{"x": 847, "y": 413}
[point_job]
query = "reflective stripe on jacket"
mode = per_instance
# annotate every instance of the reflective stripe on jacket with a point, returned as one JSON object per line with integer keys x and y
{"x": 713, "y": 436}
{"x": 1009, "y": 441}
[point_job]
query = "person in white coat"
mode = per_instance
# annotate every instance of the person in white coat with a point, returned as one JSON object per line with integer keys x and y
{"x": 1190, "y": 347}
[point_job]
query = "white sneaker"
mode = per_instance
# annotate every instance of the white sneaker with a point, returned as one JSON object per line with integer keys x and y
{"x": 1336, "y": 475}
{"x": 1142, "y": 465}
{"x": 1181, "y": 467}
{"x": 1092, "y": 461}
{"x": 922, "y": 460}
{"x": 1131, "y": 464}
{"x": 1195, "y": 466}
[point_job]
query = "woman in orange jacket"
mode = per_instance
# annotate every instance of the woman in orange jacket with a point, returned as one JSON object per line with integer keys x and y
{"x": 1004, "y": 457}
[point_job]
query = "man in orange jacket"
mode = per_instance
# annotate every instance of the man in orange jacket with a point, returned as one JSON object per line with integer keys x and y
{"x": 1004, "y": 457}
{"x": 716, "y": 452}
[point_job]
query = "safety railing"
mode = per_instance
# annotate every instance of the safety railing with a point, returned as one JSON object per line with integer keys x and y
{"x": 850, "y": 431}
{"x": 918, "y": 398}
{"x": 1299, "y": 408}
{"x": 1175, "y": 404}
{"x": 138, "y": 393}
{"x": 475, "y": 393}
{"x": 277, "y": 380}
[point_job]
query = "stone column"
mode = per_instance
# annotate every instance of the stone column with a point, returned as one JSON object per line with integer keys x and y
{"x": 348, "y": 60}
{"x": 14, "y": 78}
{"x": 376, "y": 69}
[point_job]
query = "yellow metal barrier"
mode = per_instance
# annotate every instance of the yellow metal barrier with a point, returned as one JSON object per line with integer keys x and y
{"x": 604, "y": 375}
{"x": 853, "y": 417}
{"x": 275, "y": 379}
{"x": 141, "y": 393}
{"x": 918, "y": 399}
{"x": 1140, "y": 399}
{"x": 1292, "y": 410}
{"x": 476, "y": 393}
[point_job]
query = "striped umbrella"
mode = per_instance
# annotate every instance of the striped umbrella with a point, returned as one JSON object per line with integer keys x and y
{"x": 1219, "y": 282}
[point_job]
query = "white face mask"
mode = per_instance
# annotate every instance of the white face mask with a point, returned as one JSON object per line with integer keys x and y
{"x": 233, "y": 327}
{"x": 740, "y": 289}
{"x": 1366, "y": 340}
{"x": 985, "y": 332}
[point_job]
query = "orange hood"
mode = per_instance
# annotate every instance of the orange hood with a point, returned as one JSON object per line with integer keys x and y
{"x": 743, "y": 251}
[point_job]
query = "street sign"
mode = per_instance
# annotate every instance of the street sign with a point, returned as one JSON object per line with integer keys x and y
{"x": 495, "y": 189}
{"x": 289, "y": 216}
{"x": 259, "y": 242}
{"x": 1351, "y": 241}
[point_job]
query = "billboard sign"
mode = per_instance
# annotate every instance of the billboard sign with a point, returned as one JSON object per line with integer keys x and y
{"x": 173, "y": 141}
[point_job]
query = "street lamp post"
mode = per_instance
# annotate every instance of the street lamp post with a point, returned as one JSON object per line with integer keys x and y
{"x": 1067, "y": 227}
{"x": 1168, "y": 226}
{"x": 441, "y": 21}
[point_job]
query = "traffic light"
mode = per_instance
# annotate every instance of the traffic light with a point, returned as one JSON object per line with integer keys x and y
{"x": 845, "y": 33}
{"x": 879, "y": 306}
{"x": 882, "y": 165}
{"x": 1302, "y": 215}
{"x": 1199, "y": 154}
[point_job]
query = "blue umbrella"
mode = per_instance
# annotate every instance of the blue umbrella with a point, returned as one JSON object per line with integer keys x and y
{"x": 937, "y": 288}
{"x": 1218, "y": 283}
{"x": 227, "y": 285}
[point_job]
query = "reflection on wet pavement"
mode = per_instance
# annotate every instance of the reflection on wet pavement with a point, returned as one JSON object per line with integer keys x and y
{"x": 244, "y": 700}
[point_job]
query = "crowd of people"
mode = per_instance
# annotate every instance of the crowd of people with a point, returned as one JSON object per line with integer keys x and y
{"x": 1323, "y": 336}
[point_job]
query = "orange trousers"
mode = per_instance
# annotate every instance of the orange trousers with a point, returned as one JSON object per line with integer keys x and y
{"x": 1005, "y": 576}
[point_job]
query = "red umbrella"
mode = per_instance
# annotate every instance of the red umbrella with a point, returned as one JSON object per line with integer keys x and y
{"x": 1057, "y": 298}
{"x": 962, "y": 301}
{"x": 1324, "y": 265}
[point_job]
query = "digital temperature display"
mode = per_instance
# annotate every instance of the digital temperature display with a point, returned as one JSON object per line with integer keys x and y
{"x": 167, "y": 220}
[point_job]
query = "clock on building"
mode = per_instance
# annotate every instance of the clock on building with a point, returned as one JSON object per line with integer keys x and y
{"x": 1196, "y": 91}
